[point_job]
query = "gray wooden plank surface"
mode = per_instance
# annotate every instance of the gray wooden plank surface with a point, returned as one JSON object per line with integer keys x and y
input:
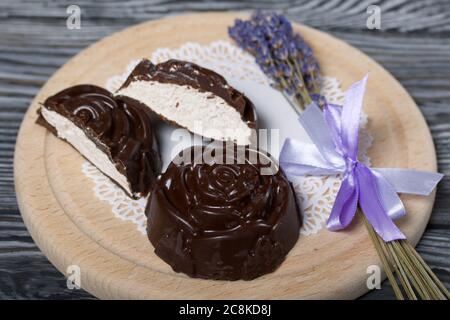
{"x": 414, "y": 45}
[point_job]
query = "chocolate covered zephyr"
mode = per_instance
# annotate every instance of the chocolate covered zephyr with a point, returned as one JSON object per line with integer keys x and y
{"x": 194, "y": 98}
{"x": 232, "y": 220}
{"x": 113, "y": 133}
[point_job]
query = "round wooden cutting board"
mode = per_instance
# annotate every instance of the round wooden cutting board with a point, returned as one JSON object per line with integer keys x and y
{"x": 72, "y": 227}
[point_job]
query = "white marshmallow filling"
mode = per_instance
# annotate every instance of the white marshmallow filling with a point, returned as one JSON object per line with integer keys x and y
{"x": 200, "y": 112}
{"x": 68, "y": 131}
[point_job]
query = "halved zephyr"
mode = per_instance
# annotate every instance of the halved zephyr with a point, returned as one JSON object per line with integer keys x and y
{"x": 113, "y": 133}
{"x": 194, "y": 98}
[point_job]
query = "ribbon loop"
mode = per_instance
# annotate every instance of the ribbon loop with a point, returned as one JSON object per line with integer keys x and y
{"x": 298, "y": 158}
{"x": 316, "y": 127}
{"x": 351, "y": 113}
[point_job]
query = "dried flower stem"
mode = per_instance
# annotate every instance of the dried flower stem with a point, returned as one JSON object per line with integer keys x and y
{"x": 384, "y": 261}
{"x": 294, "y": 104}
{"x": 400, "y": 259}
{"x": 302, "y": 86}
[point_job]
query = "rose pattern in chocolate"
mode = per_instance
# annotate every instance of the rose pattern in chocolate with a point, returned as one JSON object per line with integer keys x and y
{"x": 119, "y": 126}
{"x": 222, "y": 221}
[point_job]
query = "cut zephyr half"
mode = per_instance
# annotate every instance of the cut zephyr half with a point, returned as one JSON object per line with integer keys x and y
{"x": 194, "y": 98}
{"x": 113, "y": 133}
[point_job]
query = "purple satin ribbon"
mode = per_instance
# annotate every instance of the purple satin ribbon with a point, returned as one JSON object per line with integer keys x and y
{"x": 334, "y": 133}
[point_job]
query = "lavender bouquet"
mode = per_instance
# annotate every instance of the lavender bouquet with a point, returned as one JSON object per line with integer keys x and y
{"x": 283, "y": 56}
{"x": 288, "y": 60}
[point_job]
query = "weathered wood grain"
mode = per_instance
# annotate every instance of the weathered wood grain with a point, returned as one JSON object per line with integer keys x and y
{"x": 414, "y": 45}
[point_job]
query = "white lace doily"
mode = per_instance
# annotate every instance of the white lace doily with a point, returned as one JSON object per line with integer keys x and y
{"x": 316, "y": 194}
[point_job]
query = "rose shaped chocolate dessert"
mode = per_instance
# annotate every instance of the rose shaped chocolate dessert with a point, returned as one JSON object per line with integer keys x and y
{"x": 226, "y": 220}
{"x": 113, "y": 133}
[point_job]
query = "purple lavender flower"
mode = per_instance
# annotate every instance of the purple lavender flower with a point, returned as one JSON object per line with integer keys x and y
{"x": 282, "y": 55}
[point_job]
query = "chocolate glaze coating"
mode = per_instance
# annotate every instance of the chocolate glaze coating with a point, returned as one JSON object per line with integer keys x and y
{"x": 192, "y": 75}
{"x": 222, "y": 221}
{"x": 119, "y": 126}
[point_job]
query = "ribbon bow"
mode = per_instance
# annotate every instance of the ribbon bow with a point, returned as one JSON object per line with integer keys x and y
{"x": 334, "y": 133}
